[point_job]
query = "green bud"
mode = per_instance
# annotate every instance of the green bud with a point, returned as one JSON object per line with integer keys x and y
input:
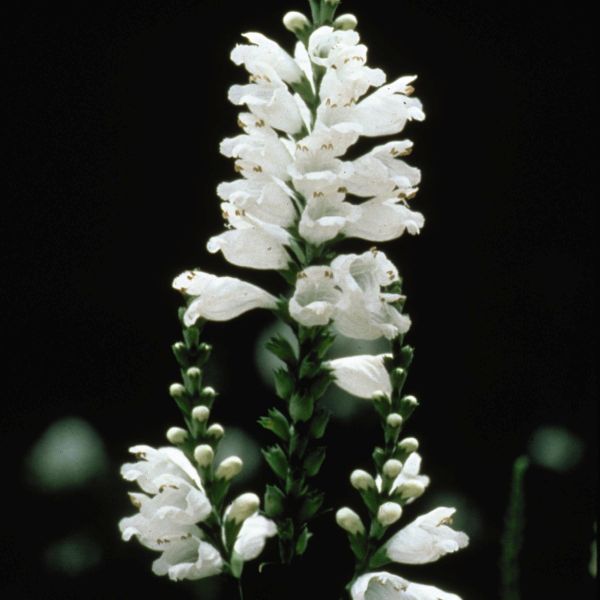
{"x": 319, "y": 424}
{"x": 302, "y": 543}
{"x": 311, "y": 505}
{"x": 191, "y": 335}
{"x": 314, "y": 461}
{"x": 277, "y": 460}
{"x": 277, "y": 423}
{"x": 284, "y": 383}
{"x": 181, "y": 354}
{"x": 274, "y": 501}
{"x": 301, "y": 407}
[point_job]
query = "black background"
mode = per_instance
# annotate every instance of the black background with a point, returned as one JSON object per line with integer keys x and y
{"x": 116, "y": 112}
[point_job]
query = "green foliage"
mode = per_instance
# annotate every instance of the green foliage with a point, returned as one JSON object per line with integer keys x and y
{"x": 277, "y": 460}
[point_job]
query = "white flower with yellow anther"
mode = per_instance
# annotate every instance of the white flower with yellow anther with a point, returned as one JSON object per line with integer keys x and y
{"x": 365, "y": 310}
{"x": 362, "y": 376}
{"x": 385, "y": 586}
{"x": 426, "y": 539}
{"x": 220, "y": 298}
{"x": 315, "y": 297}
{"x": 173, "y": 504}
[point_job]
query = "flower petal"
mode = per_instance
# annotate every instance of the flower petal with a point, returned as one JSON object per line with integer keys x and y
{"x": 362, "y": 376}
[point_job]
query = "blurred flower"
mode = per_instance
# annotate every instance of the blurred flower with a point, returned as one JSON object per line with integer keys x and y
{"x": 556, "y": 448}
{"x": 68, "y": 455}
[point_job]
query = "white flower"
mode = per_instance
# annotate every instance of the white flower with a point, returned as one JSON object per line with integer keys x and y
{"x": 385, "y": 586}
{"x": 384, "y": 112}
{"x": 189, "y": 558}
{"x": 250, "y": 242}
{"x": 364, "y": 310}
{"x": 380, "y": 172}
{"x": 315, "y": 297}
{"x": 271, "y": 101}
{"x": 361, "y": 376}
{"x": 220, "y": 298}
{"x": 262, "y": 53}
{"x": 169, "y": 511}
{"x": 426, "y": 539}
{"x": 252, "y": 538}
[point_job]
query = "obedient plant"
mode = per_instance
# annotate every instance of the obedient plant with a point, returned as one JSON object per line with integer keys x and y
{"x": 296, "y": 197}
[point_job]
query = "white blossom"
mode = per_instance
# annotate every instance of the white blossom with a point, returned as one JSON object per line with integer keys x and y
{"x": 253, "y": 535}
{"x": 386, "y": 586}
{"x": 169, "y": 513}
{"x": 426, "y": 539}
{"x": 362, "y": 376}
{"x": 220, "y": 298}
{"x": 263, "y": 52}
{"x": 315, "y": 297}
{"x": 365, "y": 311}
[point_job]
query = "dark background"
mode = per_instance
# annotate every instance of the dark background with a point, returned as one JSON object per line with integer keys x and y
{"x": 116, "y": 112}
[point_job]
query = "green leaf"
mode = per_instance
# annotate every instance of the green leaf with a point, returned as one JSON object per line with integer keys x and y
{"x": 282, "y": 348}
{"x": 298, "y": 251}
{"x": 325, "y": 344}
{"x": 314, "y": 461}
{"x": 358, "y": 544}
{"x": 277, "y": 460}
{"x": 319, "y": 423}
{"x": 237, "y": 565}
{"x": 302, "y": 543}
{"x": 277, "y": 423}
{"x": 284, "y": 383}
{"x": 274, "y": 501}
{"x": 371, "y": 499}
{"x": 319, "y": 386}
{"x": 309, "y": 368}
{"x": 311, "y": 505}
{"x": 301, "y": 407}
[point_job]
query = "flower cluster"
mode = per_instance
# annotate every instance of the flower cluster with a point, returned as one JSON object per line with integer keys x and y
{"x": 174, "y": 509}
{"x": 297, "y": 193}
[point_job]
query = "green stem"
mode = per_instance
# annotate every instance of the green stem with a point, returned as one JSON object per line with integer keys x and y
{"x": 512, "y": 540}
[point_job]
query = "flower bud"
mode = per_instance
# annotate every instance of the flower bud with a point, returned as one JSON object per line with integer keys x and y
{"x": 411, "y": 489}
{"x": 208, "y": 393}
{"x": 395, "y": 420}
{"x": 229, "y": 468}
{"x": 345, "y": 22}
{"x": 194, "y": 373}
{"x": 176, "y": 390}
{"x": 177, "y": 436}
{"x": 410, "y": 401}
{"x": 349, "y": 521}
{"x": 389, "y": 513}
{"x": 295, "y": 21}
{"x": 392, "y": 468}
{"x": 361, "y": 480}
{"x": 215, "y": 431}
{"x": 201, "y": 413}
{"x": 204, "y": 455}
{"x": 242, "y": 507}
{"x": 382, "y": 397}
{"x": 409, "y": 445}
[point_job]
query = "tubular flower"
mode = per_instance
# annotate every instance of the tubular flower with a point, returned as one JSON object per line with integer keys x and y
{"x": 385, "y": 586}
{"x": 426, "y": 539}
{"x": 409, "y": 484}
{"x": 362, "y": 376}
{"x": 219, "y": 298}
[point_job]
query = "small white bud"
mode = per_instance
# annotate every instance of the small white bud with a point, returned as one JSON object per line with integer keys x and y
{"x": 229, "y": 468}
{"x": 295, "y": 21}
{"x": 395, "y": 420}
{"x": 216, "y": 431}
{"x": 392, "y": 468}
{"x": 409, "y": 445}
{"x": 411, "y": 489}
{"x": 349, "y": 521}
{"x": 177, "y": 436}
{"x": 410, "y": 401}
{"x": 201, "y": 413}
{"x": 194, "y": 373}
{"x": 380, "y": 396}
{"x": 345, "y": 22}
{"x": 389, "y": 513}
{"x": 208, "y": 392}
{"x": 176, "y": 390}
{"x": 204, "y": 455}
{"x": 242, "y": 507}
{"x": 361, "y": 480}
